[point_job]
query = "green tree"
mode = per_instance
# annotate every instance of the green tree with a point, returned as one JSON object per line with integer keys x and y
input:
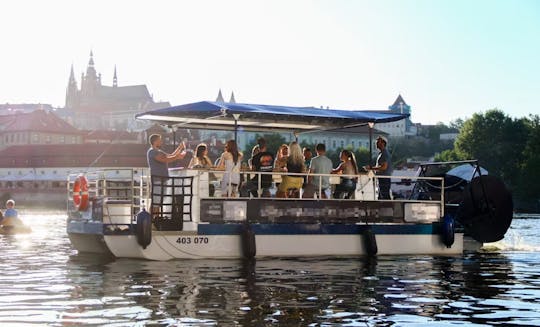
{"x": 496, "y": 140}
{"x": 457, "y": 124}
{"x": 530, "y": 168}
{"x": 273, "y": 142}
{"x": 447, "y": 155}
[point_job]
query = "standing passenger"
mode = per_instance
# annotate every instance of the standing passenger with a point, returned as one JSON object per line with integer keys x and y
{"x": 230, "y": 162}
{"x": 158, "y": 160}
{"x": 321, "y": 164}
{"x": 383, "y": 167}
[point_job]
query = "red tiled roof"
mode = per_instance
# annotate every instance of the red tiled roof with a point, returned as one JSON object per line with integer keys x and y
{"x": 37, "y": 121}
{"x": 111, "y": 135}
{"x": 25, "y": 106}
{"x": 77, "y": 155}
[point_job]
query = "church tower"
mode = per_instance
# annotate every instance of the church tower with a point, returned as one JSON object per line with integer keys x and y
{"x": 91, "y": 80}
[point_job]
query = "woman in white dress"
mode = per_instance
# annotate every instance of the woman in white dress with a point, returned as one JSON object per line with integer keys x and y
{"x": 230, "y": 162}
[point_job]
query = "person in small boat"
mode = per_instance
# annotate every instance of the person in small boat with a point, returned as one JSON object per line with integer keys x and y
{"x": 201, "y": 160}
{"x": 347, "y": 166}
{"x": 158, "y": 160}
{"x": 11, "y": 216}
{"x": 383, "y": 167}
{"x": 261, "y": 162}
{"x": 295, "y": 164}
{"x": 320, "y": 164}
{"x": 231, "y": 160}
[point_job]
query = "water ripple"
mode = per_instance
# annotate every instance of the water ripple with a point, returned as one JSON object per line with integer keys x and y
{"x": 44, "y": 281}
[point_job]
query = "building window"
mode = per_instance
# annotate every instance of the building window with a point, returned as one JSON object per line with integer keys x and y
{"x": 48, "y": 139}
{"x": 334, "y": 144}
{"x": 342, "y": 144}
{"x": 35, "y": 138}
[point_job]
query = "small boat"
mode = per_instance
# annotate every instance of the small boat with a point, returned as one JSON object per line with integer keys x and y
{"x": 12, "y": 227}
{"x": 131, "y": 215}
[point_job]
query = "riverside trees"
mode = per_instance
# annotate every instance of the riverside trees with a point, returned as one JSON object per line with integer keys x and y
{"x": 507, "y": 147}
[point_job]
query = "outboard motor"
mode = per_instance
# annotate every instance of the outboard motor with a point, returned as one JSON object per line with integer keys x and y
{"x": 486, "y": 210}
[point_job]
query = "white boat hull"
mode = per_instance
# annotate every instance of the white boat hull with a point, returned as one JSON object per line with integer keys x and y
{"x": 187, "y": 245}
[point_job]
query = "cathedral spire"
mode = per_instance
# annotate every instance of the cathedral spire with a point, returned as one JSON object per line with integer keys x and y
{"x": 220, "y": 97}
{"x": 91, "y": 61}
{"x": 115, "y": 78}
{"x": 72, "y": 90}
{"x": 72, "y": 80}
{"x": 90, "y": 70}
{"x": 232, "y": 100}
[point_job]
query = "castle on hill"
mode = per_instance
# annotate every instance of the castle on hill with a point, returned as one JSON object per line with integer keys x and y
{"x": 95, "y": 106}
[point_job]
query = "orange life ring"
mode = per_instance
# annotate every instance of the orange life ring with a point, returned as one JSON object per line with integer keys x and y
{"x": 80, "y": 193}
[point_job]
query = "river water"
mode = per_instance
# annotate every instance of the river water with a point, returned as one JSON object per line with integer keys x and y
{"x": 43, "y": 281}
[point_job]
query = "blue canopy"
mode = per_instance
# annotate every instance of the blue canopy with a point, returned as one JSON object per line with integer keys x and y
{"x": 257, "y": 117}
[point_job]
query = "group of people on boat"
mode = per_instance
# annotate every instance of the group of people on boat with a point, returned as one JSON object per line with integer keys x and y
{"x": 296, "y": 165}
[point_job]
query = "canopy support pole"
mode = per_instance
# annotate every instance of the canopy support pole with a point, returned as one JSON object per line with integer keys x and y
{"x": 371, "y": 125}
{"x": 236, "y": 117}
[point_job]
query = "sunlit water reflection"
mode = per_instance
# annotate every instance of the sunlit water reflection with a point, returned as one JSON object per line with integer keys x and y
{"x": 44, "y": 281}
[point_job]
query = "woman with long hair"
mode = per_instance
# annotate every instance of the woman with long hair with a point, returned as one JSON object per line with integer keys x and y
{"x": 201, "y": 159}
{"x": 347, "y": 166}
{"x": 230, "y": 162}
{"x": 295, "y": 164}
{"x": 280, "y": 164}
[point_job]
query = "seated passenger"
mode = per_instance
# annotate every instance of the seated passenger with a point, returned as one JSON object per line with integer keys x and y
{"x": 263, "y": 162}
{"x": 295, "y": 164}
{"x": 11, "y": 216}
{"x": 280, "y": 164}
{"x": 256, "y": 149}
{"x": 201, "y": 160}
{"x": 345, "y": 189}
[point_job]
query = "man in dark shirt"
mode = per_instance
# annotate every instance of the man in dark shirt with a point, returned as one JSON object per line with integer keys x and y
{"x": 261, "y": 162}
{"x": 383, "y": 167}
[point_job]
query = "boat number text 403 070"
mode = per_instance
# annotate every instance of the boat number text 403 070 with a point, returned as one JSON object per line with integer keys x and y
{"x": 192, "y": 240}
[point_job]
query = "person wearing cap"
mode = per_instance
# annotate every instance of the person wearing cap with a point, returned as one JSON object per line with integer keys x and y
{"x": 383, "y": 167}
{"x": 11, "y": 216}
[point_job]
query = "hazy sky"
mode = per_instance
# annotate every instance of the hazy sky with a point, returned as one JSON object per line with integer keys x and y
{"x": 448, "y": 59}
